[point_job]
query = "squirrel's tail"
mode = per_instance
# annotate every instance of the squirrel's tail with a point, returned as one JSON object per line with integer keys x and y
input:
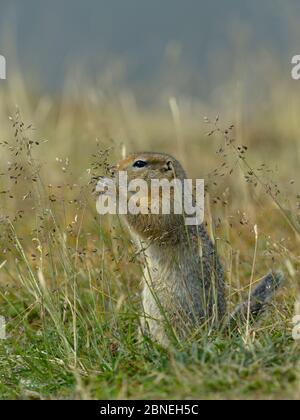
{"x": 259, "y": 299}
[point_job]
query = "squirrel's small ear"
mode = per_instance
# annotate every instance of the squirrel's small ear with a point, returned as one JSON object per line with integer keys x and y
{"x": 112, "y": 170}
{"x": 169, "y": 166}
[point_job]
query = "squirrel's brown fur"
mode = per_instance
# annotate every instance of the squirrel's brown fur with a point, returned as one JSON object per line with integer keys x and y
{"x": 183, "y": 281}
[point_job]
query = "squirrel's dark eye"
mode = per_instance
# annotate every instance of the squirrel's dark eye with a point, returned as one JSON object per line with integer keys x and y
{"x": 139, "y": 164}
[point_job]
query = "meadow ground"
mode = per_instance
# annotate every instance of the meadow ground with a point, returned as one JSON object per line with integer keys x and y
{"x": 69, "y": 280}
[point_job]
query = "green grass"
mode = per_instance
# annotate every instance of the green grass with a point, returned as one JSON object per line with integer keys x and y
{"x": 36, "y": 361}
{"x": 79, "y": 340}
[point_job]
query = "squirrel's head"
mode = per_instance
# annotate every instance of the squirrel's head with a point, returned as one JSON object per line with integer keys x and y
{"x": 148, "y": 165}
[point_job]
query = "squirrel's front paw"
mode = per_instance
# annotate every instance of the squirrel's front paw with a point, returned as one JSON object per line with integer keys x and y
{"x": 106, "y": 186}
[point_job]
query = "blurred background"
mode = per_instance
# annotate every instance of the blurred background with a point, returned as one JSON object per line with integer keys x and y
{"x": 204, "y": 50}
{"x": 135, "y": 75}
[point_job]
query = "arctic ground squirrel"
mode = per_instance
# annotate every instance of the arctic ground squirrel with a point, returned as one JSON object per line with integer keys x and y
{"x": 183, "y": 280}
